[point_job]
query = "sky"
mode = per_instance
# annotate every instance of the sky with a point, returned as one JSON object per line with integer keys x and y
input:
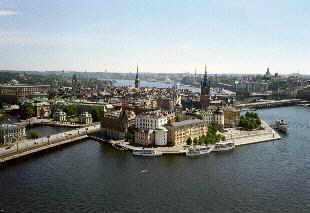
{"x": 229, "y": 36}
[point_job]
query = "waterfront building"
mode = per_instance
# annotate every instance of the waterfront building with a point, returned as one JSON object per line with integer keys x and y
{"x": 144, "y": 137}
{"x": 86, "y": 118}
{"x": 160, "y": 136}
{"x": 60, "y": 116}
{"x": 137, "y": 80}
{"x": 15, "y": 93}
{"x": 205, "y": 92}
{"x": 10, "y": 133}
{"x": 179, "y": 132}
{"x": 115, "y": 125}
{"x": 231, "y": 116}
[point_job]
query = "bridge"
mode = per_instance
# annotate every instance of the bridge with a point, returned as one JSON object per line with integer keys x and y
{"x": 27, "y": 147}
{"x": 270, "y": 103}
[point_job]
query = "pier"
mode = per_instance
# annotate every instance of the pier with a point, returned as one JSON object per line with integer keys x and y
{"x": 27, "y": 147}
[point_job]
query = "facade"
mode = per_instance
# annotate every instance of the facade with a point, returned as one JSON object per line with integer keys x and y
{"x": 231, "y": 117}
{"x": 151, "y": 121}
{"x": 14, "y": 93}
{"x": 10, "y": 133}
{"x": 214, "y": 115}
{"x": 205, "y": 92}
{"x": 144, "y": 137}
{"x": 179, "y": 132}
{"x": 60, "y": 116}
{"x": 160, "y": 136}
{"x": 116, "y": 126}
{"x": 86, "y": 118}
{"x": 42, "y": 109}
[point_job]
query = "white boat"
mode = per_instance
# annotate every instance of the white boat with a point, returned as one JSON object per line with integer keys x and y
{"x": 119, "y": 147}
{"x": 281, "y": 126}
{"x": 146, "y": 153}
{"x": 192, "y": 152}
{"x": 223, "y": 146}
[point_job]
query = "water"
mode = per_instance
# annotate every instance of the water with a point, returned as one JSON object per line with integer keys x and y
{"x": 48, "y": 130}
{"x": 91, "y": 177}
{"x": 126, "y": 83}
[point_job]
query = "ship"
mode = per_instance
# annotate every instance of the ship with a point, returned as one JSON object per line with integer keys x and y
{"x": 192, "y": 152}
{"x": 281, "y": 126}
{"x": 222, "y": 146}
{"x": 147, "y": 153}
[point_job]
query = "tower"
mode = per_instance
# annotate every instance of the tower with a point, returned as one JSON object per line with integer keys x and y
{"x": 137, "y": 80}
{"x": 205, "y": 92}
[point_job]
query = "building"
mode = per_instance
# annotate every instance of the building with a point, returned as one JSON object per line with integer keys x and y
{"x": 151, "y": 121}
{"x": 60, "y": 116}
{"x": 179, "y": 132}
{"x": 116, "y": 126}
{"x": 214, "y": 115}
{"x": 231, "y": 116}
{"x": 42, "y": 109}
{"x": 137, "y": 80}
{"x": 205, "y": 92}
{"x": 76, "y": 86}
{"x": 160, "y": 136}
{"x": 144, "y": 137}
{"x": 86, "y": 118}
{"x": 10, "y": 133}
{"x": 12, "y": 94}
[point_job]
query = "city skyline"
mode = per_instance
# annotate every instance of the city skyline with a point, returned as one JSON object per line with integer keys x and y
{"x": 176, "y": 37}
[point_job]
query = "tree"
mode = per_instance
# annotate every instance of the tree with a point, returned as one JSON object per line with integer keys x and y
{"x": 34, "y": 134}
{"x": 27, "y": 111}
{"x": 96, "y": 113}
{"x": 189, "y": 141}
{"x": 71, "y": 110}
{"x": 195, "y": 142}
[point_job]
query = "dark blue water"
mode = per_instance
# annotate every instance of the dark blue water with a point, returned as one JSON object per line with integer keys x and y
{"x": 91, "y": 177}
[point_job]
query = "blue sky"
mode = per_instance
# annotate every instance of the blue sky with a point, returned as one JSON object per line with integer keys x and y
{"x": 230, "y": 36}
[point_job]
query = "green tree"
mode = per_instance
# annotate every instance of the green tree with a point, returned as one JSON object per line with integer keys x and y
{"x": 34, "y": 134}
{"x": 96, "y": 113}
{"x": 71, "y": 110}
{"x": 27, "y": 111}
{"x": 189, "y": 141}
{"x": 195, "y": 142}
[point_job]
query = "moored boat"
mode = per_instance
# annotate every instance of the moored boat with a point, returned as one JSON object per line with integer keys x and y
{"x": 119, "y": 147}
{"x": 281, "y": 126}
{"x": 147, "y": 153}
{"x": 221, "y": 146}
{"x": 192, "y": 152}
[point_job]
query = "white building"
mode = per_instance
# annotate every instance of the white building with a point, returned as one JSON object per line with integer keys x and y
{"x": 151, "y": 121}
{"x": 10, "y": 133}
{"x": 161, "y": 136}
{"x": 60, "y": 116}
{"x": 86, "y": 118}
{"x": 214, "y": 116}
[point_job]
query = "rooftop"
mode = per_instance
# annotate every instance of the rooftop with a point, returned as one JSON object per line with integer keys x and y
{"x": 187, "y": 123}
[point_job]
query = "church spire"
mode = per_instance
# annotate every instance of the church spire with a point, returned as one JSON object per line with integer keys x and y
{"x": 137, "y": 80}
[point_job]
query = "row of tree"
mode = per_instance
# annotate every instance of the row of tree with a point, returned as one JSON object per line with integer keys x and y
{"x": 250, "y": 121}
{"x": 210, "y": 138}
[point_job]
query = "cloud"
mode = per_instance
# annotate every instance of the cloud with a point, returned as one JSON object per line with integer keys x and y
{"x": 7, "y": 12}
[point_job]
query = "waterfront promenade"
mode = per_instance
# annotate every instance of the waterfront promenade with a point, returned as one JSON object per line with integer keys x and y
{"x": 30, "y": 146}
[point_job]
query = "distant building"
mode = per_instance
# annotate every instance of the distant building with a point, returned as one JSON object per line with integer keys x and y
{"x": 214, "y": 115}
{"x": 14, "y": 93}
{"x": 179, "y": 132}
{"x": 86, "y": 118}
{"x": 151, "y": 121}
{"x": 10, "y": 133}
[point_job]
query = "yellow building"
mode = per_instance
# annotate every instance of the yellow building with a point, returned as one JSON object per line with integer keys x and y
{"x": 179, "y": 132}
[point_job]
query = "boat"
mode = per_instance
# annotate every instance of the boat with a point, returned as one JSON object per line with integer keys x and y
{"x": 192, "y": 152}
{"x": 281, "y": 126}
{"x": 147, "y": 153}
{"x": 119, "y": 147}
{"x": 221, "y": 146}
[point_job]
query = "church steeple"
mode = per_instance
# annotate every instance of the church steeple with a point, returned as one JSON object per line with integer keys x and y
{"x": 205, "y": 91}
{"x": 137, "y": 80}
